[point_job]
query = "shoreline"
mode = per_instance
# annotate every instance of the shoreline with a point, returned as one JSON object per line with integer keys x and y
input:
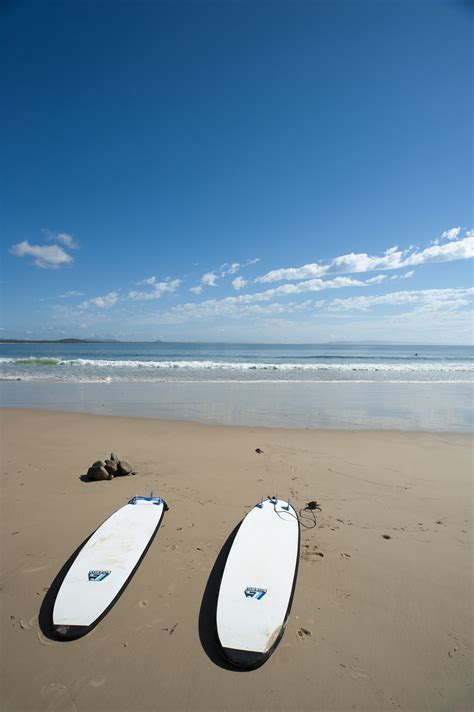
{"x": 178, "y": 422}
{"x": 423, "y": 407}
{"x": 382, "y": 605}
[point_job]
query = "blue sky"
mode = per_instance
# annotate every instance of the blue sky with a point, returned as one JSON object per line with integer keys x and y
{"x": 233, "y": 171}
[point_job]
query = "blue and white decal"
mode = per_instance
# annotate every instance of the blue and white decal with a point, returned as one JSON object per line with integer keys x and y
{"x": 257, "y": 593}
{"x": 98, "y": 575}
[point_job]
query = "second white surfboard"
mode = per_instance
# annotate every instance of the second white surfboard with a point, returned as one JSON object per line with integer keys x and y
{"x": 258, "y": 583}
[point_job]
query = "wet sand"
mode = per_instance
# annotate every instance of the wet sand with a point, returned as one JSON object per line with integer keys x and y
{"x": 381, "y": 618}
{"x": 341, "y": 406}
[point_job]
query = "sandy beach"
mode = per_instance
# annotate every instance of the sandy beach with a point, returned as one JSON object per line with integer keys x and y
{"x": 382, "y": 614}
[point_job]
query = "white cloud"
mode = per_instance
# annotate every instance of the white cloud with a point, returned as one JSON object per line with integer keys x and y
{"x": 376, "y": 280}
{"x": 228, "y": 307}
{"x": 233, "y": 306}
{"x": 293, "y": 273}
{"x": 451, "y": 234}
{"x": 159, "y": 288}
{"x": 148, "y": 280}
{"x": 310, "y": 285}
{"x": 45, "y": 256}
{"x": 196, "y": 290}
{"x": 71, "y": 293}
{"x": 433, "y": 299}
{"x": 407, "y": 275}
{"x": 63, "y": 237}
{"x": 105, "y": 302}
{"x": 393, "y": 258}
{"x": 226, "y": 269}
{"x": 239, "y": 282}
{"x": 209, "y": 279}
{"x": 67, "y": 240}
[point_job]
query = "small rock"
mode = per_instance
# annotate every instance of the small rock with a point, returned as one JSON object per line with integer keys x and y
{"x": 114, "y": 457}
{"x": 260, "y": 452}
{"x": 124, "y": 468}
{"x": 98, "y": 473}
{"x": 386, "y": 536}
{"x": 99, "y": 463}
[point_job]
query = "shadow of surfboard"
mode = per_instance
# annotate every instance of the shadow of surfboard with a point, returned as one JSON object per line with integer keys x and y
{"x": 207, "y": 613}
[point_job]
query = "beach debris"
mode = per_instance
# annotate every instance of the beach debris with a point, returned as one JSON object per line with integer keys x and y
{"x": 259, "y": 451}
{"x": 108, "y": 469}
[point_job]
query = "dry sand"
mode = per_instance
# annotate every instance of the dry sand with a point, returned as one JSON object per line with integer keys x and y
{"x": 376, "y": 623}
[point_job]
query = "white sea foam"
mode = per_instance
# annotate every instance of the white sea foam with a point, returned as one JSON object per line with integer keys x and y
{"x": 251, "y": 381}
{"x": 412, "y": 366}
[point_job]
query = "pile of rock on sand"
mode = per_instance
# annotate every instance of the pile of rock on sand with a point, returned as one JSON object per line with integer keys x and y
{"x": 108, "y": 469}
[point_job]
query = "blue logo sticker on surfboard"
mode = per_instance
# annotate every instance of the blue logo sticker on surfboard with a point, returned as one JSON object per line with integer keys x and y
{"x": 98, "y": 575}
{"x": 257, "y": 593}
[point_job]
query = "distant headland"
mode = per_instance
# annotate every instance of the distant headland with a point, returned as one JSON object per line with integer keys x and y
{"x": 60, "y": 341}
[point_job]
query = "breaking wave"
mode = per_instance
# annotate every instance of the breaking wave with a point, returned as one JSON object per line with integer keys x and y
{"x": 411, "y": 366}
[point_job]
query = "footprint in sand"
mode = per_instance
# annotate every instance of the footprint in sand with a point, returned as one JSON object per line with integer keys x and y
{"x": 355, "y": 672}
{"x": 143, "y": 604}
{"x": 57, "y": 698}
{"x": 21, "y": 623}
{"x": 309, "y": 554}
{"x": 303, "y": 633}
{"x": 34, "y": 569}
{"x": 98, "y": 683}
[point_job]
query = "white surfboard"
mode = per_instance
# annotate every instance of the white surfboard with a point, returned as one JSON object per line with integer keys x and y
{"x": 258, "y": 583}
{"x": 104, "y": 565}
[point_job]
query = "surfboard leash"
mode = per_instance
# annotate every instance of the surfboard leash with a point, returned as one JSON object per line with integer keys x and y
{"x": 311, "y": 507}
{"x": 305, "y": 521}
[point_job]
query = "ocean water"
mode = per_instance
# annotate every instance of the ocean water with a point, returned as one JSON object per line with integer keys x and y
{"x": 181, "y": 362}
{"x": 323, "y": 386}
